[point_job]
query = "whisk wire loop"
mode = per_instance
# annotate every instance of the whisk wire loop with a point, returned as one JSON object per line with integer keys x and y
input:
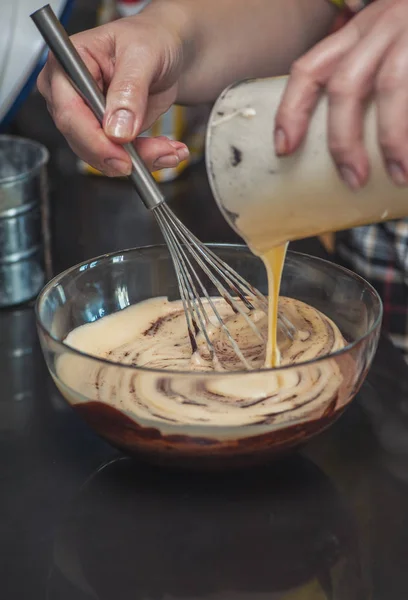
{"x": 206, "y": 262}
{"x": 185, "y": 271}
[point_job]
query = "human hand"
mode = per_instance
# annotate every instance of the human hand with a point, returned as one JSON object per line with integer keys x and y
{"x": 367, "y": 58}
{"x": 137, "y": 62}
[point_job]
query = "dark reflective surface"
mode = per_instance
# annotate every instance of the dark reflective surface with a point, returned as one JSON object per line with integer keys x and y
{"x": 80, "y": 522}
{"x": 164, "y": 535}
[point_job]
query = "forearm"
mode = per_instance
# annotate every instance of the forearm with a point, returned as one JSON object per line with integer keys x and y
{"x": 227, "y": 40}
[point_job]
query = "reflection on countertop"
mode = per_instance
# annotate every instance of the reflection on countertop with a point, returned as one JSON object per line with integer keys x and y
{"x": 259, "y": 534}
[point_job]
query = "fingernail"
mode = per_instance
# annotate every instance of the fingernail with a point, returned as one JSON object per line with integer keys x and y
{"x": 349, "y": 177}
{"x": 119, "y": 166}
{"x": 121, "y": 124}
{"x": 183, "y": 154}
{"x": 166, "y": 162}
{"x": 397, "y": 172}
{"x": 182, "y": 151}
{"x": 281, "y": 142}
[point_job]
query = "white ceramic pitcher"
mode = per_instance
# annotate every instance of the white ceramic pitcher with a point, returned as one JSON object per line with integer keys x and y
{"x": 284, "y": 199}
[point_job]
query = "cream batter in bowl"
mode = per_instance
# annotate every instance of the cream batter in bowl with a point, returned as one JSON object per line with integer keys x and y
{"x": 116, "y": 345}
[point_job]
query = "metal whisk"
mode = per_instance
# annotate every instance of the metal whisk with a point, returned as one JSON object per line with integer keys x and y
{"x": 188, "y": 254}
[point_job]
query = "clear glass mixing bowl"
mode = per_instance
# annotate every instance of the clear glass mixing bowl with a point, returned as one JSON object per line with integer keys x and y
{"x": 110, "y": 283}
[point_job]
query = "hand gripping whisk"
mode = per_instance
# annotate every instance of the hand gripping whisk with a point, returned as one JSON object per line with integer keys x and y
{"x": 189, "y": 255}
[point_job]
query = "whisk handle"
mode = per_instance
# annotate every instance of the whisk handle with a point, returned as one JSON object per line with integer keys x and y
{"x": 78, "y": 73}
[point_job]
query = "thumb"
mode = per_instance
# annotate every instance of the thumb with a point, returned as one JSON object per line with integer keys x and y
{"x": 126, "y": 100}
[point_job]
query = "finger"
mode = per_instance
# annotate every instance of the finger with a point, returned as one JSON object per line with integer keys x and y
{"x": 127, "y": 96}
{"x": 311, "y": 72}
{"x": 308, "y": 76}
{"x": 158, "y": 104}
{"x": 348, "y": 90}
{"x": 92, "y": 145}
{"x": 156, "y": 153}
{"x": 160, "y": 152}
{"x": 392, "y": 111}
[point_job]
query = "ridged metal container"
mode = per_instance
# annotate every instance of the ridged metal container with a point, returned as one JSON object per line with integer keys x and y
{"x": 24, "y": 232}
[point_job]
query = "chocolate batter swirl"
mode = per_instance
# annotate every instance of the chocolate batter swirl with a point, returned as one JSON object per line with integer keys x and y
{"x": 153, "y": 335}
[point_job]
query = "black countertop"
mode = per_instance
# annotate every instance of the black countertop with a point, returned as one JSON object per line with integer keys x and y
{"x": 80, "y": 521}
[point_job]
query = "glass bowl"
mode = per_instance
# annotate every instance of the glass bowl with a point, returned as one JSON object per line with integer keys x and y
{"x": 110, "y": 283}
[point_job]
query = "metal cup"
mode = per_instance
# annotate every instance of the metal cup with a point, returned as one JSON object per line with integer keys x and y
{"x": 24, "y": 232}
